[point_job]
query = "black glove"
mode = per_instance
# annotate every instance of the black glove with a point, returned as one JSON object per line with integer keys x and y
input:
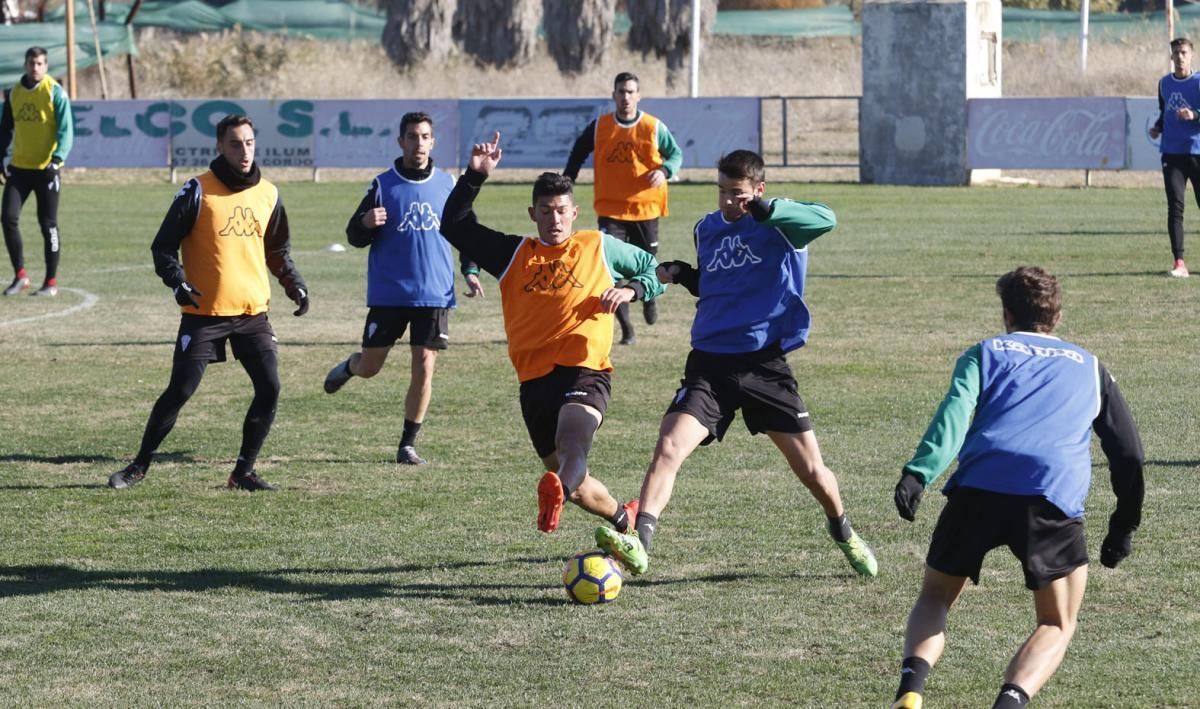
{"x": 908, "y": 495}
{"x": 759, "y": 208}
{"x": 685, "y": 275}
{"x": 299, "y": 296}
{"x": 186, "y": 294}
{"x": 1116, "y": 546}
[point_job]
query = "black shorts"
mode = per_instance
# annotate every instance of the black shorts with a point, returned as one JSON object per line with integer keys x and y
{"x": 715, "y": 386}
{"x": 203, "y": 337}
{"x": 541, "y": 399}
{"x": 643, "y": 234}
{"x": 386, "y": 324}
{"x": 1049, "y": 544}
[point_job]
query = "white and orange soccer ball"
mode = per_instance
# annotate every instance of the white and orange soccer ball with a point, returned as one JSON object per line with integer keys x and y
{"x": 592, "y": 577}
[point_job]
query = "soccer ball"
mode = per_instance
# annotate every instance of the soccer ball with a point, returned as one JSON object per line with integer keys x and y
{"x": 592, "y": 577}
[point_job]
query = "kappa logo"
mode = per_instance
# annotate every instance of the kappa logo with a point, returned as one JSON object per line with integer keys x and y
{"x": 184, "y": 342}
{"x": 242, "y": 223}
{"x": 552, "y": 275}
{"x": 420, "y": 216}
{"x": 28, "y": 114}
{"x": 732, "y": 253}
{"x": 1176, "y": 102}
{"x": 621, "y": 152}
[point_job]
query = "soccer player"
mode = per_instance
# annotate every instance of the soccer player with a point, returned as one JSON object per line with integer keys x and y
{"x": 230, "y": 226}
{"x": 1179, "y": 125}
{"x": 1024, "y": 467}
{"x": 410, "y": 273}
{"x": 753, "y": 257}
{"x": 635, "y": 156}
{"x": 558, "y": 292}
{"x": 36, "y": 120}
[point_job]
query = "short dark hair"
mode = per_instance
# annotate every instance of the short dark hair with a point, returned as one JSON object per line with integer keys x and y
{"x": 232, "y": 121}
{"x": 413, "y": 118}
{"x": 1032, "y": 297}
{"x": 35, "y": 52}
{"x": 1181, "y": 42}
{"x": 743, "y": 165}
{"x": 623, "y": 77}
{"x": 552, "y": 184}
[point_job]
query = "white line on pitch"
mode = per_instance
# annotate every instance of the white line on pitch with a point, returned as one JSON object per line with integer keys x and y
{"x": 89, "y": 301}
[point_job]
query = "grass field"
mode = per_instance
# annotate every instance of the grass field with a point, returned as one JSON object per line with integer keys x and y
{"x": 364, "y": 584}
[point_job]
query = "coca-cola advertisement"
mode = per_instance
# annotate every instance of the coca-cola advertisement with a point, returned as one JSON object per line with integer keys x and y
{"x": 1046, "y": 133}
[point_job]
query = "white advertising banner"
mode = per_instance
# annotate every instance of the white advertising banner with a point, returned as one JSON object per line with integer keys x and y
{"x": 707, "y": 128}
{"x": 118, "y": 134}
{"x": 539, "y": 133}
{"x": 1046, "y": 133}
{"x": 363, "y": 133}
{"x": 283, "y": 130}
{"x": 1143, "y": 150}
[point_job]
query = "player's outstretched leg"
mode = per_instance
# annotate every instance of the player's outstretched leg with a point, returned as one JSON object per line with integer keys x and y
{"x": 803, "y": 455}
{"x": 625, "y": 548}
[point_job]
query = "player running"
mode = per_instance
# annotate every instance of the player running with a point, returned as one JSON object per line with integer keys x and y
{"x": 558, "y": 292}
{"x": 750, "y": 282}
{"x": 410, "y": 274}
{"x": 1024, "y": 468}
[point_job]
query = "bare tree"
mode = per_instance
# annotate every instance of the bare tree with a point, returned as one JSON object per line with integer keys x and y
{"x": 578, "y": 32}
{"x": 499, "y": 33}
{"x": 418, "y": 30}
{"x": 664, "y": 27}
{"x": 10, "y": 11}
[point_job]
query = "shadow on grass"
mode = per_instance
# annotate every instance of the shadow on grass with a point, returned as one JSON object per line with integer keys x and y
{"x": 1175, "y": 463}
{"x": 979, "y": 276}
{"x": 41, "y": 580}
{"x": 458, "y": 344}
{"x": 56, "y": 459}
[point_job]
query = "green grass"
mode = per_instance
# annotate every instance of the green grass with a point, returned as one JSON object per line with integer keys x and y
{"x": 364, "y": 584}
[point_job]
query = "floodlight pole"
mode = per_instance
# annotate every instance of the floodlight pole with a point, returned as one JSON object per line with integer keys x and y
{"x": 1084, "y": 12}
{"x": 694, "y": 79}
{"x": 72, "y": 92}
{"x": 1171, "y": 23}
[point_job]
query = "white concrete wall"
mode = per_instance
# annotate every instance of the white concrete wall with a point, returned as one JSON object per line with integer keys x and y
{"x": 922, "y": 60}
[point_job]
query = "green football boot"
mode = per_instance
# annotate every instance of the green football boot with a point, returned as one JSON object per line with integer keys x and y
{"x": 859, "y": 555}
{"x": 625, "y": 548}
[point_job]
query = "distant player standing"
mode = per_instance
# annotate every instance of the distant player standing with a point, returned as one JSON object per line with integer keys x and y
{"x": 753, "y": 260}
{"x": 410, "y": 273}
{"x": 1179, "y": 125}
{"x": 37, "y": 121}
{"x": 558, "y": 292}
{"x": 635, "y": 156}
{"x": 1019, "y": 417}
{"x": 231, "y": 227}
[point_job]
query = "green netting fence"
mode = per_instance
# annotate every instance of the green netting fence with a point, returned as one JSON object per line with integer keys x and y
{"x": 343, "y": 21}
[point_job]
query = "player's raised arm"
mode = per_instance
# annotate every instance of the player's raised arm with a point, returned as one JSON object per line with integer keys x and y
{"x": 491, "y": 250}
{"x": 800, "y": 222}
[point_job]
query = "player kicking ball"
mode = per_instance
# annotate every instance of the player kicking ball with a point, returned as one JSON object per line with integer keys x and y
{"x": 753, "y": 256}
{"x": 558, "y": 294}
